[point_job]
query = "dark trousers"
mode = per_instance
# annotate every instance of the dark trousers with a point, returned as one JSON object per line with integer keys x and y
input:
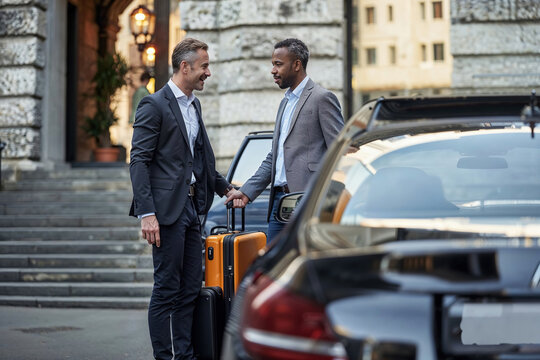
{"x": 177, "y": 281}
{"x": 274, "y": 226}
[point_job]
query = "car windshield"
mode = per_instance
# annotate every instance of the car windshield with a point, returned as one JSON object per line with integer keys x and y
{"x": 253, "y": 155}
{"x": 432, "y": 184}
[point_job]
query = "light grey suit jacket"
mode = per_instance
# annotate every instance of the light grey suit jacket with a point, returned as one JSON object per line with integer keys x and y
{"x": 316, "y": 121}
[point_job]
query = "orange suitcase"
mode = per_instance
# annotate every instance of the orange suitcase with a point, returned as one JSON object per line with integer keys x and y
{"x": 229, "y": 254}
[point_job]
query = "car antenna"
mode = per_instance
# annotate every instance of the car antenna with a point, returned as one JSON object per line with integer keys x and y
{"x": 531, "y": 114}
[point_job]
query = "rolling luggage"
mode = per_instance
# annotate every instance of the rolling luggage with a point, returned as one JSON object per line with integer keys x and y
{"x": 229, "y": 254}
{"x": 208, "y": 323}
{"x": 227, "y": 257}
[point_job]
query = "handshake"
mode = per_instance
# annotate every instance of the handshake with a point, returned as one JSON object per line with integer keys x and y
{"x": 238, "y": 198}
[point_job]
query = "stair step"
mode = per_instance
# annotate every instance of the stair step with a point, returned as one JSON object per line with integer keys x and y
{"x": 75, "y": 260}
{"x": 68, "y": 185}
{"x": 75, "y": 289}
{"x": 105, "y": 220}
{"x": 77, "y": 302}
{"x": 77, "y": 274}
{"x": 65, "y": 208}
{"x": 70, "y": 173}
{"x": 7, "y": 197}
{"x": 70, "y": 233}
{"x": 74, "y": 247}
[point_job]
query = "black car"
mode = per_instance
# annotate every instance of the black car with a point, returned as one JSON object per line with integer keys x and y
{"x": 252, "y": 152}
{"x": 418, "y": 239}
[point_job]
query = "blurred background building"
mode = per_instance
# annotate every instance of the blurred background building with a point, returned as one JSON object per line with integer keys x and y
{"x": 360, "y": 49}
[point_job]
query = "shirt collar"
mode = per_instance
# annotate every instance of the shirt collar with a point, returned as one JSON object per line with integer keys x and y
{"x": 179, "y": 94}
{"x": 298, "y": 90}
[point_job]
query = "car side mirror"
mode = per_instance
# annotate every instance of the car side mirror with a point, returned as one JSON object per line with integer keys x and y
{"x": 287, "y": 205}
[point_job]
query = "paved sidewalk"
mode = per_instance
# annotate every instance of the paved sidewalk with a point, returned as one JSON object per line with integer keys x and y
{"x": 81, "y": 334}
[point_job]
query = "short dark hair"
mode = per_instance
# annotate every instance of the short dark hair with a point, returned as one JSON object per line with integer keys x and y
{"x": 145, "y": 76}
{"x": 185, "y": 50}
{"x": 297, "y": 48}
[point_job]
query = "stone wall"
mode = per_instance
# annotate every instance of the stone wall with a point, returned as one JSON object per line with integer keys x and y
{"x": 496, "y": 45}
{"x": 241, "y": 96}
{"x": 22, "y": 44}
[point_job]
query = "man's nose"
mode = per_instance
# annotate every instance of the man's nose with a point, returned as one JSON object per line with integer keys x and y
{"x": 208, "y": 73}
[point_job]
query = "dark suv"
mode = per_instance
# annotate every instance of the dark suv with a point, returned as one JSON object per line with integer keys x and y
{"x": 252, "y": 152}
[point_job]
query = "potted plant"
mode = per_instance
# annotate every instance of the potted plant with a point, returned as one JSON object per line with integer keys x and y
{"x": 110, "y": 76}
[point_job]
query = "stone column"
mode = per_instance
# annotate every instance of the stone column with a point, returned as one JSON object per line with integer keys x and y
{"x": 495, "y": 45}
{"x": 241, "y": 96}
{"x": 22, "y": 36}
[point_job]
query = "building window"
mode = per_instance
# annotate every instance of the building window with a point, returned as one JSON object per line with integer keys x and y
{"x": 370, "y": 15}
{"x": 390, "y": 13}
{"x": 438, "y": 52}
{"x": 371, "y": 56}
{"x": 423, "y": 52}
{"x": 392, "y": 53}
{"x": 423, "y": 10}
{"x": 355, "y": 56}
{"x": 437, "y": 9}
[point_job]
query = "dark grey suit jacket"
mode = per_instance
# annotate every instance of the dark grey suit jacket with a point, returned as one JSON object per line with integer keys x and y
{"x": 161, "y": 161}
{"x": 315, "y": 123}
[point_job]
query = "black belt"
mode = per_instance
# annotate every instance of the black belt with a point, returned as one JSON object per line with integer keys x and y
{"x": 284, "y": 188}
{"x": 191, "y": 190}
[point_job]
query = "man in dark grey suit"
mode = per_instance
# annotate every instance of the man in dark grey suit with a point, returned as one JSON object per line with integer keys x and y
{"x": 308, "y": 120}
{"x": 174, "y": 178}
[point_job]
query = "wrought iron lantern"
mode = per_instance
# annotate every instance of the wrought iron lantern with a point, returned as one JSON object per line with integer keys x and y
{"x": 142, "y": 24}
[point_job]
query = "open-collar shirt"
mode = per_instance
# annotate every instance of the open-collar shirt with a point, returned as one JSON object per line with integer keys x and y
{"x": 187, "y": 108}
{"x": 286, "y": 119}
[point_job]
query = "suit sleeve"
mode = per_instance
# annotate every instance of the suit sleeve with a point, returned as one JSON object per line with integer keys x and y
{"x": 146, "y": 130}
{"x": 260, "y": 180}
{"x": 221, "y": 184}
{"x": 330, "y": 117}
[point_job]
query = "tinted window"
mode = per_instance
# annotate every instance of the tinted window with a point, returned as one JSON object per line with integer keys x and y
{"x": 251, "y": 158}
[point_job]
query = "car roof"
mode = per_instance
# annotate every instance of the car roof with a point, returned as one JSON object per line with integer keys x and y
{"x": 400, "y": 109}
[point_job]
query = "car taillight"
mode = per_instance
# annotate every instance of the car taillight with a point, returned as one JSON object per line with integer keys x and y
{"x": 278, "y": 324}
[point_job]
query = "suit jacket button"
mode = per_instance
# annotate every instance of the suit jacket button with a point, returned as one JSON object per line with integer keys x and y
{"x": 190, "y": 163}
{"x": 188, "y": 182}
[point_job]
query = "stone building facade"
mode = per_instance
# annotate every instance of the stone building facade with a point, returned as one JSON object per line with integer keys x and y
{"x": 495, "y": 45}
{"x": 241, "y": 95}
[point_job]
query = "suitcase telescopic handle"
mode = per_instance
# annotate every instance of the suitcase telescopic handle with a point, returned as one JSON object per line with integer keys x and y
{"x": 231, "y": 218}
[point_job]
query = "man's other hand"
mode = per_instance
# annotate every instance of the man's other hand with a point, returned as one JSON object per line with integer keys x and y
{"x": 238, "y": 198}
{"x": 150, "y": 230}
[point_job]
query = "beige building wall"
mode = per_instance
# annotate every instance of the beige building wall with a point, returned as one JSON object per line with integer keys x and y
{"x": 403, "y": 28}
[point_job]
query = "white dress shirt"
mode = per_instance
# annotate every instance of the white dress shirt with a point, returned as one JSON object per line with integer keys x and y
{"x": 189, "y": 114}
{"x": 286, "y": 118}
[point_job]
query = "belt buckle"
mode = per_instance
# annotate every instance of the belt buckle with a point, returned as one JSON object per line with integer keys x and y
{"x": 191, "y": 190}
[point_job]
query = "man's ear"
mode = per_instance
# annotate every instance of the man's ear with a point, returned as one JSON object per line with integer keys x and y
{"x": 184, "y": 67}
{"x": 297, "y": 65}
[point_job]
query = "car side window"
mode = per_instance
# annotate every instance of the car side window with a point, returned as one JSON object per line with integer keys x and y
{"x": 251, "y": 158}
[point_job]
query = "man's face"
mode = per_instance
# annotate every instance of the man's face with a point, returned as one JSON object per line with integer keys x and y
{"x": 284, "y": 68}
{"x": 199, "y": 71}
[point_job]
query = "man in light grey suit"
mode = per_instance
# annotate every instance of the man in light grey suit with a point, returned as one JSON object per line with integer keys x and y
{"x": 308, "y": 120}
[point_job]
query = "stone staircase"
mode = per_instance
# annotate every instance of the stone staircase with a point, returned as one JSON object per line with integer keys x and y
{"x": 66, "y": 241}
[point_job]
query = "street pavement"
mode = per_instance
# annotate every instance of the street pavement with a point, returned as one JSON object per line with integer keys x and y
{"x": 81, "y": 334}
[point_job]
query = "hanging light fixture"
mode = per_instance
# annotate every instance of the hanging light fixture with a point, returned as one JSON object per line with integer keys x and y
{"x": 142, "y": 24}
{"x": 149, "y": 55}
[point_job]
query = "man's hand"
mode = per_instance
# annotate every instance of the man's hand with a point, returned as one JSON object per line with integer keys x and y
{"x": 238, "y": 198}
{"x": 150, "y": 230}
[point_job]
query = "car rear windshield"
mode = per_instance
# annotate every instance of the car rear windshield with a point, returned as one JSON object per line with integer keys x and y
{"x": 485, "y": 180}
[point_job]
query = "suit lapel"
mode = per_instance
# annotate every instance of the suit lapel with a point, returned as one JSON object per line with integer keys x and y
{"x": 173, "y": 104}
{"x": 303, "y": 98}
{"x": 278, "y": 124}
